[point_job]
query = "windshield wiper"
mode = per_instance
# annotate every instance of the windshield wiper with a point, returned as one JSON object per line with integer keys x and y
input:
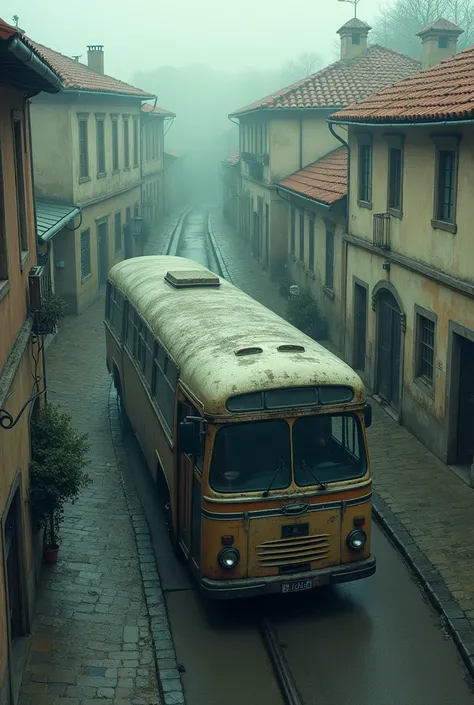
{"x": 280, "y": 467}
{"x": 323, "y": 485}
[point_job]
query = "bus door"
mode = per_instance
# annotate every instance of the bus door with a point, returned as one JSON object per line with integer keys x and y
{"x": 189, "y": 495}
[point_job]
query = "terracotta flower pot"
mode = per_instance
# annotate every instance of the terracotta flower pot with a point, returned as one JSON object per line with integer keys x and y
{"x": 50, "y": 554}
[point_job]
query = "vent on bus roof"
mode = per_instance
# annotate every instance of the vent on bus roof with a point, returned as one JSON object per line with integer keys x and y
{"x": 290, "y": 348}
{"x": 248, "y": 351}
{"x": 186, "y": 279}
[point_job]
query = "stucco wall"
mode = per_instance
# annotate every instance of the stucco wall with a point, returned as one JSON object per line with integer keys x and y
{"x": 413, "y": 235}
{"x": 13, "y": 304}
{"x": 53, "y": 158}
{"x": 423, "y": 410}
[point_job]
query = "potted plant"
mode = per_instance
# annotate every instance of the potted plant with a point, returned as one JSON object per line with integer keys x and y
{"x": 302, "y": 311}
{"x": 59, "y": 456}
{"x": 53, "y": 308}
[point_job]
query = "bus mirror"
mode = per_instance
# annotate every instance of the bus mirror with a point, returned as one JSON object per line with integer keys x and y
{"x": 188, "y": 437}
{"x": 368, "y": 415}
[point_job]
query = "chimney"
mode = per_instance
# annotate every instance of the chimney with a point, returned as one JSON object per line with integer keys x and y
{"x": 439, "y": 41}
{"x": 95, "y": 58}
{"x": 353, "y": 39}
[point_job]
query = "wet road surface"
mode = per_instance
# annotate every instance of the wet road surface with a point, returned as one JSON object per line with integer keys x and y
{"x": 373, "y": 642}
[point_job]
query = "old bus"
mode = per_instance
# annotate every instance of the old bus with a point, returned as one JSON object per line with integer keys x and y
{"x": 258, "y": 431}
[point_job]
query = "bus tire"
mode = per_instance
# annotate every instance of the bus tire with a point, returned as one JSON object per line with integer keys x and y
{"x": 123, "y": 413}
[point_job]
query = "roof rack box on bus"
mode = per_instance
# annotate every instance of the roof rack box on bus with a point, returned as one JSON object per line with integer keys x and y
{"x": 183, "y": 279}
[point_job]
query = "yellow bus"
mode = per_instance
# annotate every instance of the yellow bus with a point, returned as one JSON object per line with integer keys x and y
{"x": 257, "y": 430}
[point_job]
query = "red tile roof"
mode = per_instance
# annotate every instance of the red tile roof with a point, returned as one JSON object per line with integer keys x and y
{"x": 442, "y": 92}
{"x": 156, "y": 110}
{"x": 233, "y": 158}
{"x": 341, "y": 83}
{"x": 7, "y": 30}
{"x": 78, "y": 77}
{"x": 325, "y": 180}
{"x": 441, "y": 25}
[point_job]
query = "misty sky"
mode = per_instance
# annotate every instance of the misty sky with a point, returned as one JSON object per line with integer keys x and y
{"x": 146, "y": 34}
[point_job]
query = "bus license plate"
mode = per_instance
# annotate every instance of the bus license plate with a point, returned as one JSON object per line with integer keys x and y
{"x": 297, "y": 586}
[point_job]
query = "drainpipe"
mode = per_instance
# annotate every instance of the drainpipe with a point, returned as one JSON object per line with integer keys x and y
{"x": 301, "y": 143}
{"x": 30, "y": 150}
{"x": 344, "y": 245}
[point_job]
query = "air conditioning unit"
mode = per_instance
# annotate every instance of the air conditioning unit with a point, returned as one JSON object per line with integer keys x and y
{"x": 37, "y": 287}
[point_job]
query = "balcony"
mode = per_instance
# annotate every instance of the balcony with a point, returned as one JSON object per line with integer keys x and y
{"x": 255, "y": 171}
{"x": 381, "y": 231}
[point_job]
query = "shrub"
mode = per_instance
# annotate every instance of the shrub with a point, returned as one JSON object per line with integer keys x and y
{"x": 302, "y": 311}
{"x": 59, "y": 456}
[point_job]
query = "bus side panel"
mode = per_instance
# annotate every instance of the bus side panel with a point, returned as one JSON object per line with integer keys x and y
{"x": 144, "y": 421}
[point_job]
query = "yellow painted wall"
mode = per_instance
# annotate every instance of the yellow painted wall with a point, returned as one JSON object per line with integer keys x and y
{"x": 53, "y": 158}
{"x": 413, "y": 235}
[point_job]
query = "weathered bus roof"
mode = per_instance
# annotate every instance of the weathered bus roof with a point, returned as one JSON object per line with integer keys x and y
{"x": 202, "y": 328}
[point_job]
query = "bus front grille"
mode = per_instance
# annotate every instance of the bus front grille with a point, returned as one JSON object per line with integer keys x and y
{"x": 304, "y": 549}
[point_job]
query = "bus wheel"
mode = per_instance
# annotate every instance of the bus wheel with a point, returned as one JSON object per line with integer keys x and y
{"x": 123, "y": 414}
{"x": 169, "y": 527}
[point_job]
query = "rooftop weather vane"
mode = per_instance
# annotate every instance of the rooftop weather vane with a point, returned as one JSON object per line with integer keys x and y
{"x": 352, "y": 2}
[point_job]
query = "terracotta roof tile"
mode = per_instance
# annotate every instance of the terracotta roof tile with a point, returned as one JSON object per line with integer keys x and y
{"x": 324, "y": 180}
{"x": 442, "y": 92}
{"x": 354, "y": 23}
{"x": 78, "y": 77}
{"x": 341, "y": 83}
{"x": 7, "y": 30}
{"x": 156, "y": 110}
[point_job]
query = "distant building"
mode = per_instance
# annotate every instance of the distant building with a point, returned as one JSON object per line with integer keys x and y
{"x": 287, "y": 131}
{"x": 86, "y": 145}
{"x": 153, "y": 119}
{"x": 231, "y": 187}
{"x": 406, "y": 264}
{"x": 23, "y": 73}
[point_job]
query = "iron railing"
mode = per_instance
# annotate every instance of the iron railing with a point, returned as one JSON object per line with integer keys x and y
{"x": 381, "y": 231}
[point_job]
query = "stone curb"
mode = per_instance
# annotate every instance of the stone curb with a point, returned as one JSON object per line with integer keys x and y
{"x": 455, "y": 620}
{"x": 169, "y": 678}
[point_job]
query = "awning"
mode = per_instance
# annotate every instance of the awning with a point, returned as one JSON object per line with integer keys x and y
{"x": 51, "y": 217}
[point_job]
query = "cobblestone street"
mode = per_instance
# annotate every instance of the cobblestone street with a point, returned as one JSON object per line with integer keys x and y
{"x": 91, "y": 641}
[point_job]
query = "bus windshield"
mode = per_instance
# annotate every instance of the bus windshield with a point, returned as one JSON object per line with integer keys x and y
{"x": 248, "y": 456}
{"x": 329, "y": 448}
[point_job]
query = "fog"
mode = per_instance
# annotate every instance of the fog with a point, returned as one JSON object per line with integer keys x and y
{"x": 204, "y": 59}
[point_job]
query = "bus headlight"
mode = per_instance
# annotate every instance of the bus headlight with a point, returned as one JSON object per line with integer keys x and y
{"x": 228, "y": 558}
{"x": 356, "y": 539}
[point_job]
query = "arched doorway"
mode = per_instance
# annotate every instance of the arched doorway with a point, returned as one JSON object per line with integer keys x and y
{"x": 389, "y": 342}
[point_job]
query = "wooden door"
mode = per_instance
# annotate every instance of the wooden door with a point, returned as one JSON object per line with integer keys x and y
{"x": 465, "y": 426}
{"x": 389, "y": 334}
{"x": 103, "y": 253}
{"x": 360, "y": 326}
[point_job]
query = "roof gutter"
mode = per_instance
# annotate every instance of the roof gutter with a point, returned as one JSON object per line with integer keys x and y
{"x": 325, "y": 109}
{"x": 24, "y": 54}
{"x": 290, "y": 192}
{"x": 109, "y": 94}
{"x": 60, "y": 225}
{"x": 432, "y": 123}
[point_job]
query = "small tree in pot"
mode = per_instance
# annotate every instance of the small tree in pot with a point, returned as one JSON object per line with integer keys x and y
{"x": 53, "y": 308}
{"x": 59, "y": 456}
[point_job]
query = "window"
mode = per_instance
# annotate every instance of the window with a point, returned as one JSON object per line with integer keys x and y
{"x": 165, "y": 384}
{"x": 85, "y": 254}
{"x": 118, "y": 231}
{"x": 365, "y": 171}
{"x": 425, "y": 349}
{"x": 135, "y": 142}
{"x": 356, "y": 38}
{"x": 395, "y": 179}
{"x": 292, "y": 231}
{"x": 115, "y": 144}
{"x": 100, "y": 146}
{"x": 115, "y": 303}
{"x": 147, "y": 357}
{"x": 20, "y": 186}
{"x": 83, "y": 149}
{"x": 445, "y": 192}
{"x": 311, "y": 243}
{"x": 3, "y": 232}
{"x": 126, "y": 142}
{"x": 443, "y": 42}
{"x": 301, "y": 256}
{"x": 329, "y": 259}
{"x": 446, "y": 178}
{"x": 131, "y": 334}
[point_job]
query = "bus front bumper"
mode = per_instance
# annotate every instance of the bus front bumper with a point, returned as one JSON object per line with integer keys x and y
{"x": 250, "y": 587}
